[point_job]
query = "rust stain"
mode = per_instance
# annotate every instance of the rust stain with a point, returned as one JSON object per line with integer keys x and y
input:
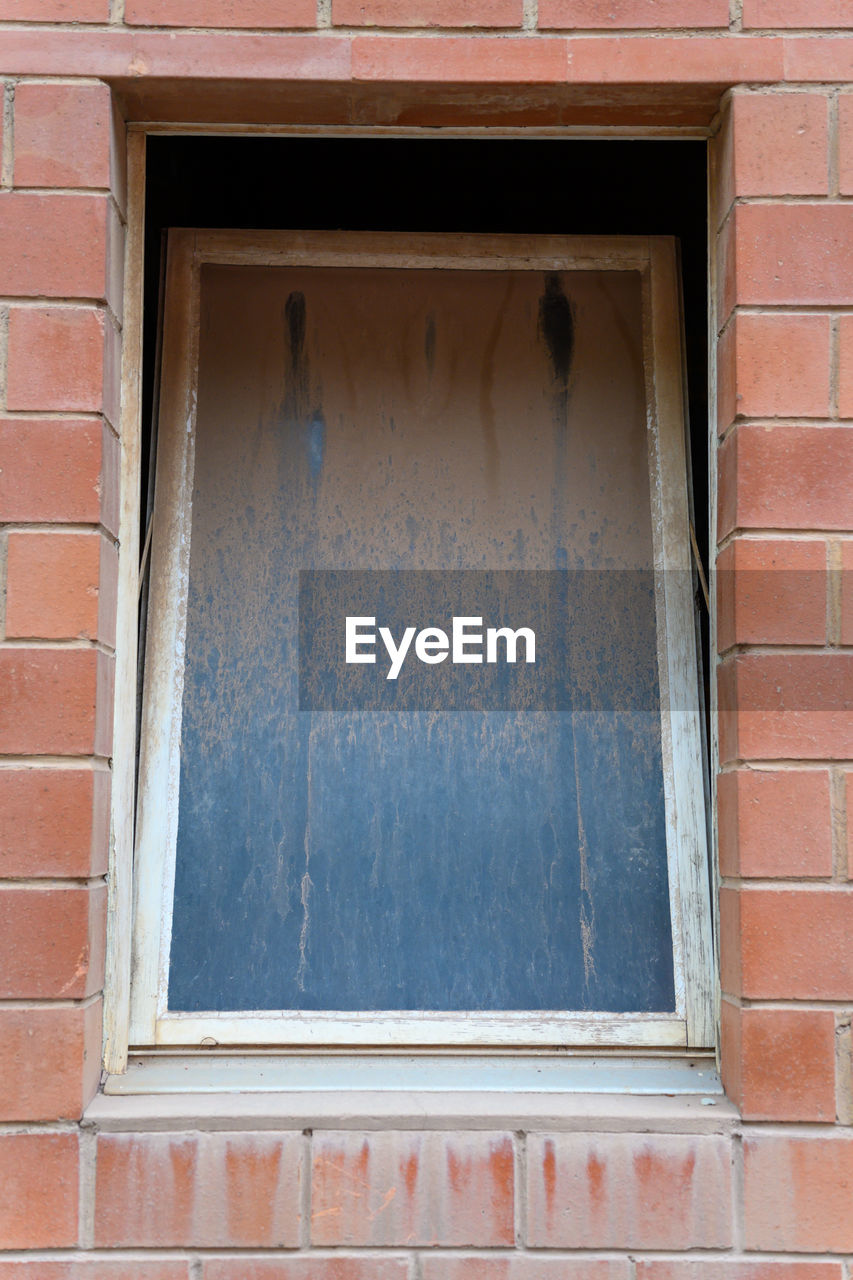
{"x": 458, "y": 1170}
{"x": 663, "y": 1176}
{"x": 410, "y": 1173}
{"x": 502, "y": 1167}
{"x": 549, "y": 1174}
{"x": 250, "y": 1173}
{"x": 595, "y": 1175}
{"x": 183, "y": 1157}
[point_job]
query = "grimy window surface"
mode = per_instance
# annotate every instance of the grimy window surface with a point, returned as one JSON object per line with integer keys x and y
{"x": 427, "y": 858}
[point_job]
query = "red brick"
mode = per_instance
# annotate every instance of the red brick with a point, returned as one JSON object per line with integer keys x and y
{"x": 56, "y": 358}
{"x": 779, "y": 144}
{"x": 53, "y": 246}
{"x": 55, "y": 822}
{"x": 54, "y": 10}
{"x": 313, "y": 1268}
{"x": 793, "y": 944}
{"x": 786, "y": 477}
{"x": 499, "y": 60}
{"x": 737, "y": 1269}
{"x": 50, "y": 1062}
{"x": 62, "y": 135}
{"x": 819, "y": 59}
{"x": 675, "y": 60}
{"x": 798, "y": 1191}
{"x": 38, "y": 1174}
{"x": 53, "y": 586}
{"x": 845, "y": 143}
{"x": 774, "y": 823}
{"x": 571, "y": 14}
{"x": 55, "y": 701}
{"x": 279, "y": 57}
{"x": 796, "y": 13}
{"x": 524, "y": 1267}
{"x": 786, "y": 1067}
{"x": 64, "y": 471}
{"x": 771, "y": 592}
{"x": 731, "y": 938}
{"x": 786, "y": 707}
{"x": 629, "y": 1191}
{"x": 845, "y": 366}
{"x": 781, "y": 368}
{"x": 61, "y": 586}
{"x": 209, "y": 1189}
{"x": 51, "y": 942}
{"x": 94, "y": 1269}
{"x": 221, "y": 13}
{"x": 427, "y": 13}
{"x": 412, "y": 1189}
{"x": 797, "y": 253}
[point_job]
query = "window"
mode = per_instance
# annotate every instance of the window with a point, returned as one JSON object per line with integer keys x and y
{"x": 412, "y": 429}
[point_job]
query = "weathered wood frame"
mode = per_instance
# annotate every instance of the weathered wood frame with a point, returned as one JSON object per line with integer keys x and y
{"x": 692, "y": 1025}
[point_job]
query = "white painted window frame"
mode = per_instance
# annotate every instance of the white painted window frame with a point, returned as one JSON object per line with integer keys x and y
{"x": 692, "y": 1024}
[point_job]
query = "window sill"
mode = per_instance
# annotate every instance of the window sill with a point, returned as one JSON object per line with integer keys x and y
{"x": 676, "y": 1095}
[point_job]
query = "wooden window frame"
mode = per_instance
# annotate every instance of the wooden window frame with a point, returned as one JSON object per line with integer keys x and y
{"x": 692, "y": 1025}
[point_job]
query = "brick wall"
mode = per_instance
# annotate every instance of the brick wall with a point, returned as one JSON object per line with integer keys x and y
{"x": 768, "y": 1197}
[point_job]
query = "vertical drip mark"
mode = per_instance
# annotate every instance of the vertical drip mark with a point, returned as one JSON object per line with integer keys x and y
{"x": 306, "y": 884}
{"x": 429, "y": 346}
{"x": 296, "y": 383}
{"x": 557, "y": 328}
{"x": 297, "y": 411}
{"x": 587, "y": 909}
{"x": 316, "y": 446}
{"x": 487, "y": 380}
{"x": 305, "y": 892}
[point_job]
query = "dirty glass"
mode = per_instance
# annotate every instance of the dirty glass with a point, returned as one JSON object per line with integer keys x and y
{"x": 412, "y": 446}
